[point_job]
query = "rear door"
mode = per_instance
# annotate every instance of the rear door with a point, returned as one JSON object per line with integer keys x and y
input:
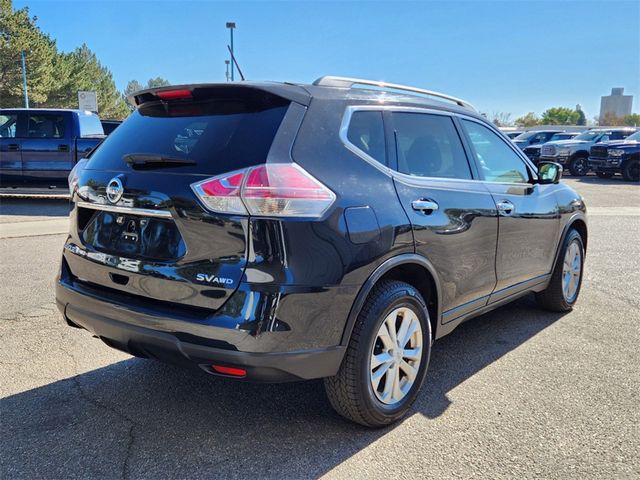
{"x": 10, "y": 154}
{"x": 138, "y": 226}
{"x": 453, "y": 216}
{"x": 47, "y": 150}
{"x": 529, "y": 220}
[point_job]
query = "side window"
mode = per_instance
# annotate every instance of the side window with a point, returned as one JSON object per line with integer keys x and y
{"x": 497, "y": 162}
{"x": 45, "y": 126}
{"x": 366, "y": 131}
{"x": 429, "y": 146}
{"x": 8, "y": 125}
{"x": 619, "y": 135}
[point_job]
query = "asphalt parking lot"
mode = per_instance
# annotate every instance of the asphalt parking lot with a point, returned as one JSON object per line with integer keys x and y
{"x": 519, "y": 392}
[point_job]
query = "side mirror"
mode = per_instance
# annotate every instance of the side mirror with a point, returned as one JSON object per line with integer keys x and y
{"x": 549, "y": 172}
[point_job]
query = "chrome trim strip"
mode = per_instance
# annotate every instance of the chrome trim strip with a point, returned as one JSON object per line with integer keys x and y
{"x": 146, "y": 212}
{"x": 414, "y": 180}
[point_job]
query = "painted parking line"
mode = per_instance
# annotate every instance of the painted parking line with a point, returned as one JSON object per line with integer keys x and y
{"x": 34, "y": 229}
{"x": 613, "y": 211}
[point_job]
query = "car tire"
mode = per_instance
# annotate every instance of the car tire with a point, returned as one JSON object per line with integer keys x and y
{"x": 368, "y": 395}
{"x": 566, "y": 280}
{"x": 604, "y": 174}
{"x": 631, "y": 171}
{"x": 579, "y": 166}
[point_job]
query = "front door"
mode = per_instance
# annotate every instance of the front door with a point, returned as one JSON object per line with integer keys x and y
{"x": 453, "y": 216}
{"x": 528, "y": 222}
{"x": 10, "y": 155}
{"x": 47, "y": 152}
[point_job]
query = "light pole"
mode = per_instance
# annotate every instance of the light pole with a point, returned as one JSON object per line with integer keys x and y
{"x": 226, "y": 62}
{"x": 231, "y": 26}
{"x": 24, "y": 81}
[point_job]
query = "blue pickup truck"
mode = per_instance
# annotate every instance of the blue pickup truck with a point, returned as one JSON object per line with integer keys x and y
{"x": 39, "y": 147}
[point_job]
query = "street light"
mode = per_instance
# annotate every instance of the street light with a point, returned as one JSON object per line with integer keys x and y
{"x": 226, "y": 62}
{"x": 231, "y": 26}
{"x": 24, "y": 80}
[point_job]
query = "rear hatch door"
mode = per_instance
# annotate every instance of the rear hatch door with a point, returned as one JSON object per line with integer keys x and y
{"x": 138, "y": 227}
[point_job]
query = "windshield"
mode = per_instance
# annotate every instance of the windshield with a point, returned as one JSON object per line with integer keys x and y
{"x": 589, "y": 136}
{"x": 635, "y": 137}
{"x": 524, "y": 136}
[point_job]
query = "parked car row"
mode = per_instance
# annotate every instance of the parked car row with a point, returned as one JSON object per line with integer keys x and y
{"x": 38, "y": 147}
{"x": 573, "y": 150}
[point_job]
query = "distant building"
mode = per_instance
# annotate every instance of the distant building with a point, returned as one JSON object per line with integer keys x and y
{"x": 616, "y": 104}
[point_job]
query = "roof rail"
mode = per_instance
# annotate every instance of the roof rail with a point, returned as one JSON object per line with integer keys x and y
{"x": 346, "y": 82}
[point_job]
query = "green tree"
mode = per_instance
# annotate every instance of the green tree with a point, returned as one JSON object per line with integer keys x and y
{"x": 132, "y": 87}
{"x": 582, "y": 119}
{"x": 632, "y": 120}
{"x": 18, "y": 31}
{"x": 81, "y": 70}
{"x": 560, "y": 116}
{"x": 528, "y": 120}
{"x": 157, "y": 82}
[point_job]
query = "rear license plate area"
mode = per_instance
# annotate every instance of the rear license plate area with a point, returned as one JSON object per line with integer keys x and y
{"x": 134, "y": 236}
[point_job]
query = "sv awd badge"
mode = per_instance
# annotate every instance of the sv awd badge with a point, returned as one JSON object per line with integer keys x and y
{"x": 203, "y": 277}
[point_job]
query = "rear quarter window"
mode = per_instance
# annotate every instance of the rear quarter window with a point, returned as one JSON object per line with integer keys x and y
{"x": 219, "y": 135}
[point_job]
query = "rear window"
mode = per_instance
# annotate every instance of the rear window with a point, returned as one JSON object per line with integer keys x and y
{"x": 90, "y": 125}
{"x": 216, "y": 135}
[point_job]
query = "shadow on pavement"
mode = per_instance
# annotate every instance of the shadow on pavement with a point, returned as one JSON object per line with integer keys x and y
{"x": 36, "y": 207}
{"x": 138, "y": 418}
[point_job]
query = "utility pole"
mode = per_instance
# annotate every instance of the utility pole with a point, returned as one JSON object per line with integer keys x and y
{"x": 226, "y": 62}
{"x": 231, "y": 26}
{"x": 24, "y": 81}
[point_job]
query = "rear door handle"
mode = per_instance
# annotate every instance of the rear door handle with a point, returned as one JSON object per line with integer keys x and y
{"x": 424, "y": 205}
{"x": 505, "y": 208}
{"x": 13, "y": 147}
{"x": 63, "y": 148}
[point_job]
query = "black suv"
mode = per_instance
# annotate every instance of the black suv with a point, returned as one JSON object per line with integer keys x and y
{"x": 622, "y": 156}
{"x": 274, "y": 232}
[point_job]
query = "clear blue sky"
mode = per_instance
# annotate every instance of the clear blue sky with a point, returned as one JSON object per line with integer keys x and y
{"x": 515, "y": 57}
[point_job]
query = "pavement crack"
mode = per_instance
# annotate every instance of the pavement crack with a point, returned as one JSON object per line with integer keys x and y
{"x": 87, "y": 397}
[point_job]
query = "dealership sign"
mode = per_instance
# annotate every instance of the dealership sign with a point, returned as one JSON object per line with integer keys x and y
{"x": 88, "y": 101}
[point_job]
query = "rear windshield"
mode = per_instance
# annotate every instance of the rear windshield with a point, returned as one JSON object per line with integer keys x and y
{"x": 90, "y": 125}
{"x": 215, "y": 135}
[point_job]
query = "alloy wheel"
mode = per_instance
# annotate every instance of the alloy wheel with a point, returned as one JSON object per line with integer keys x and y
{"x": 571, "y": 271}
{"x": 396, "y": 355}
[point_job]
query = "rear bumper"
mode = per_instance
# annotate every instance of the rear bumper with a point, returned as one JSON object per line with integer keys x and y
{"x": 144, "y": 334}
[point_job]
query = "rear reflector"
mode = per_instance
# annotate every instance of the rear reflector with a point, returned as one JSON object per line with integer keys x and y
{"x": 234, "y": 372}
{"x": 174, "y": 94}
{"x": 271, "y": 190}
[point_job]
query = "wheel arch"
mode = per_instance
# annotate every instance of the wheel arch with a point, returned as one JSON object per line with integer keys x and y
{"x": 410, "y": 268}
{"x": 577, "y": 222}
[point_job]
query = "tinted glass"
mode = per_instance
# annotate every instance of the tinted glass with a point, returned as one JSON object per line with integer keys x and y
{"x": 90, "y": 125}
{"x": 429, "y": 146}
{"x": 366, "y": 131}
{"x": 45, "y": 126}
{"x": 218, "y": 135}
{"x": 496, "y": 160}
{"x": 8, "y": 125}
{"x": 619, "y": 134}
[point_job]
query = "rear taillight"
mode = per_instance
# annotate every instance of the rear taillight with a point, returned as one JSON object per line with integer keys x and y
{"x": 272, "y": 190}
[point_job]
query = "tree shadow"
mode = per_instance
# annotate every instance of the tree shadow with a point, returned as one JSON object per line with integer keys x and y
{"x": 34, "y": 207}
{"x": 138, "y": 418}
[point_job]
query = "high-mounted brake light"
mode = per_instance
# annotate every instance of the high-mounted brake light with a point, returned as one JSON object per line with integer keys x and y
{"x": 271, "y": 190}
{"x": 174, "y": 94}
